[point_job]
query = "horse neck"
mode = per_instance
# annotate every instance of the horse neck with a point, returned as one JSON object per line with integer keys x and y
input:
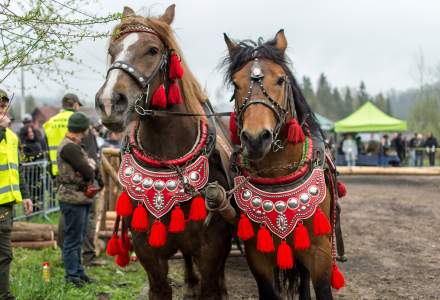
{"x": 274, "y": 163}
{"x": 168, "y": 137}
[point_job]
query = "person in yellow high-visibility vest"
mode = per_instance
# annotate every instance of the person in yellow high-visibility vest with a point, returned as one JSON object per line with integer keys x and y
{"x": 56, "y": 127}
{"x": 13, "y": 190}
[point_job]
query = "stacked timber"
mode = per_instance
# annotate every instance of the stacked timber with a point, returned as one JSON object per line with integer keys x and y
{"x": 33, "y": 236}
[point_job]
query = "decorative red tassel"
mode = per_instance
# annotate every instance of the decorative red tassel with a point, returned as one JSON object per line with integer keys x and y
{"x": 139, "y": 222}
{"x": 338, "y": 280}
{"x": 321, "y": 225}
{"x": 265, "y": 241}
{"x": 197, "y": 211}
{"x": 174, "y": 96}
{"x": 177, "y": 223}
{"x": 245, "y": 230}
{"x": 295, "y": 133}
{"x": 176, "y": 70}
{"x": 284, "y": 256}
{"x": 124, "y": 208}
{"x": 159, "y": 99}
{"x": 113, "y": 246}
{"x": 158, "y": 235}
{"x": 126, "y": 242}
{"x": 342, "y": 190}
{"x": 233, "y": 128}
{"x": 301, "y": 239}
{"x": 122, "y": 259}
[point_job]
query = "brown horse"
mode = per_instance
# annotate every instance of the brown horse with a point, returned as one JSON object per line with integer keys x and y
{"x": 139, "y": 95}
{"x": 274, "y": 157}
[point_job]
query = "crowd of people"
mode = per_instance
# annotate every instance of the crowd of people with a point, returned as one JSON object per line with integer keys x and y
{"x": 398, "y": 151}
{"x": 72, "y": 146}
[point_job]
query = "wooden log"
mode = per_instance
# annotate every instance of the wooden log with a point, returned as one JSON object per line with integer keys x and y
{"x": 25, "y": 226}
{"x": 32, "y": 235}
{"x": 35, "y": 244}
{"x": 110, "y": 215}
{"x": 109, "y": 225}
{"x": 427, "y": 171}
{"x": 106, "y": 234}
{"x": 111, "y": 151}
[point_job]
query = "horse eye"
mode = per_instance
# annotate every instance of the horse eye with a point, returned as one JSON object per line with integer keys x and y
{"x": 153, "y": 51}
{"x": 281, "y": 80}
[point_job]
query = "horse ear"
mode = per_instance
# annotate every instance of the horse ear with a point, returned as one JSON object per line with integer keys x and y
{"x": 127, "y": 12}
{"x": 232, "y": 46}
{"x": 280, "y": 40}
{"x": 168, "y": 16}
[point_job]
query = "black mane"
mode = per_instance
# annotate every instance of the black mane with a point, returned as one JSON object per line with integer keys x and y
{"x": 247, "y": 50}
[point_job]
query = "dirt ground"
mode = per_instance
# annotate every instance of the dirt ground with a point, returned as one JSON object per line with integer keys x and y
{"x": 391, "y": 227}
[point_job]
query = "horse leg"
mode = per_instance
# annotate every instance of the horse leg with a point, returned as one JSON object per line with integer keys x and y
{"x": 304, "y": 282}
{"x": 262, "y": 267}
{"x": 339, "y": 239}
{"x": 191, "y": 279}
{"x": 155, "y": 266}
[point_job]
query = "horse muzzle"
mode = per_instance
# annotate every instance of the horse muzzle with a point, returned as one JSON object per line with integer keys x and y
{"x": 257, "y": 146}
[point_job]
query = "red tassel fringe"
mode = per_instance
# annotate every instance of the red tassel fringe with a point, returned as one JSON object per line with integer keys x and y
{"x": 124, "y": 208}
{"x": 342, "y": 190}
{"x": 301, "y": 239}
{"x": 122, "y": 259}
{"x": 321, "y": 225}
{"x": 158, "y": 235}
{"x": 338, "y": 280}
{"x": 139, "y": 222}
{"x": 284, "y": 256}
{"x": 177, "y": 223}
{"x": 174, "y": 96}
{"x": 176, "y": 70}
{"x": 295, "y": 134}
{"x": 233, "y": 128}
{"x": 113, "y": 246}
{"x": 159, "y": 98}
{"x": 197, "y": 211}
{"x": 245, "y": 230}
{"x": 265, "y": 241}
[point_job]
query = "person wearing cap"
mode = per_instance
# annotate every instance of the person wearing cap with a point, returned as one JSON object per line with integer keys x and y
{"x": 56, "y": 127}
{"x": 13, "y": 190}
{"x": 76, "y": 173}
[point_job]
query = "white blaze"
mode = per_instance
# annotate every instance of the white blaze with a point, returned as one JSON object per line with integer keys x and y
{"x": 124, "y": 55}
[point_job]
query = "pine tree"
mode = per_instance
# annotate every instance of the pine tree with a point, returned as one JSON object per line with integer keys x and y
{"x": 362, "y": 96}
{"x": 309, "y": 94}
{"x": 337, "y": 108}
{"x": 324, "y": 96}
{"x": 349, "y": 104}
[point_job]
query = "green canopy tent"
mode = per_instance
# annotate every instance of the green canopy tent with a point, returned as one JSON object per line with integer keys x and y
{"x": 325, "y": 123}
{"x": 369, "y": 118}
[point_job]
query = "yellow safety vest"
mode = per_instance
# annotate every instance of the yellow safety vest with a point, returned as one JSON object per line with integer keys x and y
{"x": 55, "y": 129}
{"x": 9, "y": 176}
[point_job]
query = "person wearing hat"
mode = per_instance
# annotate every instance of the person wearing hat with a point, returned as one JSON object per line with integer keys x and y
{"x": 13, "y": 190}
{"x": 76, "y": 174}
{"x": 56, "y": 127}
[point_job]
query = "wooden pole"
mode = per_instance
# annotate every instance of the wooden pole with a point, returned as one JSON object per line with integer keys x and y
{"x": 35, "y": 244}
{"x": 32, "y": 235}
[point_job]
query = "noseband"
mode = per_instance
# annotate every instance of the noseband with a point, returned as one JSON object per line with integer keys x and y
{"x": 279, "y": 111}
{"x": 143, "y": 81}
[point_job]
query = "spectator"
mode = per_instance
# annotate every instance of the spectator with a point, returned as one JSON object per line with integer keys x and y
{"x": 412, "y": 150}
{"x": 32, "y": 147}
{"x": 431, "y": 145}
{"x": 399, "y": 145}
{"x": 419, "y": 150}
{"x": 350, "y": 149}
{"x": 113, "y": 140}
{"x": 383, "y": 150}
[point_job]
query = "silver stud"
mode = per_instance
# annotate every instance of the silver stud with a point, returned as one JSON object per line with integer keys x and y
{"x": 256, "y": 202}
{"x": 304, "y": 198}
{"x": 280, "y": 206}
{"x": 303, "y": 207}
{"x": 138, "y": 189}
{"x": 124, "y": 67}
{"x": 313, "y": 190}
{"x": 247, "y": 195}
{"x": 194, "y": 176}
{"x": 131, "y": 70}
{"x": 137, "y": 178}
{"x": 141, "y": 79}
{"x": 128, "y": 171}
{"x": 282, "y": 222}
{"x": 171, "y": 185}
{"x": 147, "y": 183}
{"x": 159, "y": 185}
{"x": 158, "y": 201}
{"x": 267, "y": 205}
{"x": 117, "y": 64}
{"x": 292, "y": 203}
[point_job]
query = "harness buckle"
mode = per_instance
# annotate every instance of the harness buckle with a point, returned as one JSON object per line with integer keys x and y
{"x": 277, "y": 145}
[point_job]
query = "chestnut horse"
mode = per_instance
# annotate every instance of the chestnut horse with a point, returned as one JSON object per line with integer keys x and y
{"x": 274, "y": 156}
{"x": 138, "y": 95}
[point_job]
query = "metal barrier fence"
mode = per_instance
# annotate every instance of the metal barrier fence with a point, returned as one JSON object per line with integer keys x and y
{"x": 41, "y": 188}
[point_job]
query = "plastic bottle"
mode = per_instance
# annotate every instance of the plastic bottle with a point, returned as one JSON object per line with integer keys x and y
{"x": 46, "y": 272}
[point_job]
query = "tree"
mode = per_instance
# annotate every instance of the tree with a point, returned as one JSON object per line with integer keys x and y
{"x": 337, "y": 105}
{"x": 309, "y": 94}
{"x": 37, "y": 34}
{"x": 425, "y": 115}
{"x": 348, "y": 102}
{"x": 362, "y": 95}
{"x": 323, "y": 96}
{"x": 30, "y": 103}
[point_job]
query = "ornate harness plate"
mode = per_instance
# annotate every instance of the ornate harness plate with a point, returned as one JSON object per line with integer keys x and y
{"x": 160, "y": 191}
{"x": 283, "y": 210}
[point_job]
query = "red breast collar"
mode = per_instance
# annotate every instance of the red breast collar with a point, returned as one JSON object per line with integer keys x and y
{"x": 281, "y": 211}
{"x": 161, "y": 190}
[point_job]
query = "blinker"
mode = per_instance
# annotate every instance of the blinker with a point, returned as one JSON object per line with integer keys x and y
{"x": 256, "y": 71}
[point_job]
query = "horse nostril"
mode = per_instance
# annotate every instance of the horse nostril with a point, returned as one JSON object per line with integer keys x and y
{"x": 120, "y": 102}
{"x": 245, "y": 137}
{"x": 266, "y": 135}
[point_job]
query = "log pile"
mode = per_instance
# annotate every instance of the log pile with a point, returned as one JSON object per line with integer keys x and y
{"x": 33, "y": 236}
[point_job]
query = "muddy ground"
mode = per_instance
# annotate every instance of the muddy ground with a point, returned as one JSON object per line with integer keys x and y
{"x": 391, "y": 227}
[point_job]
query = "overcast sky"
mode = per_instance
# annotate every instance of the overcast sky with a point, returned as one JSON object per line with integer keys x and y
{"x": 371, "y": 40}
